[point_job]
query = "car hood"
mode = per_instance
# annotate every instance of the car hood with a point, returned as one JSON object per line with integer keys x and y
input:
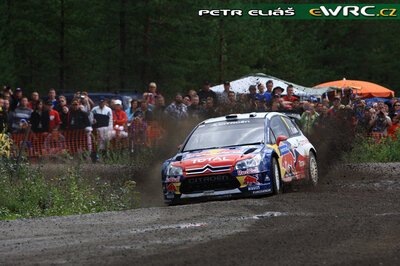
{"x": 215, "y": 160}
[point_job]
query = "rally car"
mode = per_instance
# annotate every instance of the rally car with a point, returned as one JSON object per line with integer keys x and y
{"x": 239, "y": 155}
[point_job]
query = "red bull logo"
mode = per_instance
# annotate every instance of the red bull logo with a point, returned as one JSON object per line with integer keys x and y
{"x": 250, "y": 179}
{"x": 171, "y": 188}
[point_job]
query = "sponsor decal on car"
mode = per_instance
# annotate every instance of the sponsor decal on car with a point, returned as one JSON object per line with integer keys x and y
{"x": 248, "y": 171}
{"x": 261, "y": 191}
{"x": 208, "y": 179}
{"x": 253, "y": 188}
{"x": 211, "y": 159}
{"x": 230, "y": 123}
{"x": 284, "y": 149}
{"x": 173, "y": 180}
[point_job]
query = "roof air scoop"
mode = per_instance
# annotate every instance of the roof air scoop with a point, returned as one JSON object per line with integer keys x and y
{"x": 249, "y": 151}
{"x": 231, "y": 116}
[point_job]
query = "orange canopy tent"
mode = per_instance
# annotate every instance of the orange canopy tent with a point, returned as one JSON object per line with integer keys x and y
{"x": 363, "y": 88}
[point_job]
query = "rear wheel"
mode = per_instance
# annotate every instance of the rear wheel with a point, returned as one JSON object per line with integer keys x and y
{"x": 312, "y": 170}
{"x": 276, "y": 177}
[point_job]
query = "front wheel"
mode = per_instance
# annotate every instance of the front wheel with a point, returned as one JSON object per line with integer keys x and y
{"x": 276, "y": 177}
{"x": 312, "y": 170}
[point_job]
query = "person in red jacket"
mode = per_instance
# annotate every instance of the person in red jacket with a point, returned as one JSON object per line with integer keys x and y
{"x": 54, "y": 116}
{"x": 120, "y": 119}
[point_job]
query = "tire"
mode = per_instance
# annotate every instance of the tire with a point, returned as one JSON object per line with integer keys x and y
{"x": 312, "y": 170}
{"x": 276, "y": 177}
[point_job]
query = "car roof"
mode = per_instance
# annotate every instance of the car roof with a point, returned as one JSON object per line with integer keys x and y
{"x": 253, "y": 115}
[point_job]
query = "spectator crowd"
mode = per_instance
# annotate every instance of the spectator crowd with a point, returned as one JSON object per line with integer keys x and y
{"x": 52, "y": 114}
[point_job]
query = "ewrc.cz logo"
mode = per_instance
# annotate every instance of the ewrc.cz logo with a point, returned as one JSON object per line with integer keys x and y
{"x": 356, "y": 11}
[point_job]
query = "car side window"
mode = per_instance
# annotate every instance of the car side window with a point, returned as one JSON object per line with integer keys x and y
{"x": 278, "y": 127}
{"x": 293, "y": 130}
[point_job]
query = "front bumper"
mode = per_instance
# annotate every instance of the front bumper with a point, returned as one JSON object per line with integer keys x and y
{"x": 248, "y": 185}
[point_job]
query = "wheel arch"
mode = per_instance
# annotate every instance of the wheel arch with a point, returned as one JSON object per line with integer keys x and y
{"x": 313, "y": 151}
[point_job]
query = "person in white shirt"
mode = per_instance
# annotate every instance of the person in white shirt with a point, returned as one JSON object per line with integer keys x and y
{"x": 102, "y": 120}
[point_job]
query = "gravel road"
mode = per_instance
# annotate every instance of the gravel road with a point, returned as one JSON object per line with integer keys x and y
{"x": 351, "y": 218}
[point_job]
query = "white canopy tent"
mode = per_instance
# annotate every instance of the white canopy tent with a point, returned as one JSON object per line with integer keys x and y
{"x": 242, "y": 85}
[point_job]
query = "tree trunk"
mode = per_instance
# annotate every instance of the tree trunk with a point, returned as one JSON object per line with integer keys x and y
{"x": 146, "y": 47}
{"x": 221, "y": 58}
{"x": 62, "y": 48}
{"x": 122, "y": 44}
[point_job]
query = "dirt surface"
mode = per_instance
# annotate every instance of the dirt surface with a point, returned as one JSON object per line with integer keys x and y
{"x": 351, "y": 218}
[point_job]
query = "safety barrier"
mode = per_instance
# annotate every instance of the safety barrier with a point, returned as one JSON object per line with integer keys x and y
{"x": 377, "y": 136}
{"x": 77, "y": 141}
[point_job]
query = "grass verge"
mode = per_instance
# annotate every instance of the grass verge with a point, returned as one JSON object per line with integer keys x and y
{"x": 367, "y": 150}
{"x": 28, "y": 193}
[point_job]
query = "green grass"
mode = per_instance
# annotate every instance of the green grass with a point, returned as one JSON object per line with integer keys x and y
{"x": 28, "y": 193}
{"x": 367, "y": 150}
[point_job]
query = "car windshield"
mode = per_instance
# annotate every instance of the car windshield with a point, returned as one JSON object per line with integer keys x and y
{"x": 225, "y": 134}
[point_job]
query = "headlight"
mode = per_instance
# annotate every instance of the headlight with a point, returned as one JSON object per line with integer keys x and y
{"x": 174, "y": 170}
{"x": 248, "y": 163}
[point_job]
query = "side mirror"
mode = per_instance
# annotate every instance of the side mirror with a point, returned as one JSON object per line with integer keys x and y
{"x": 280, "y": 138}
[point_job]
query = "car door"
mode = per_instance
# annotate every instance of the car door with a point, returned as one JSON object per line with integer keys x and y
{"x": 299, "y": 150}
{"x": 287, "y": 148}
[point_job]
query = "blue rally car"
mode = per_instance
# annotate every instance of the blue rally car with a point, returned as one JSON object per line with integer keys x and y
{"x": 239, "y": 155}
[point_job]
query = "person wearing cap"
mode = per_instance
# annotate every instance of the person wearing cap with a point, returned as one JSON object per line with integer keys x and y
{"x": 207, "y": 92}
{"x": 223, "y": 97}
{"x": 102, "y": 120}
{"x": 120, "y": 119}
{"x": 262, "y": 95}
{"x": 54, "y": 116}
{"x": 16, "y": 98}
{"x": 277, "y": 91}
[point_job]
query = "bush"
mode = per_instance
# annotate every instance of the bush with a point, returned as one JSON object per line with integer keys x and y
{"x": 368, "y": 150}
{"x": 29, "y": 194}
